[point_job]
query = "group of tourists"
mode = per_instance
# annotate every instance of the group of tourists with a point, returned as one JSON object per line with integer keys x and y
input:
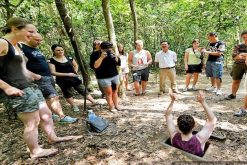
{"x": 28, "y": 88}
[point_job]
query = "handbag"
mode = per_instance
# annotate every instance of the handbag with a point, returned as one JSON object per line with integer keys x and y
{"x": 97, "y": 124}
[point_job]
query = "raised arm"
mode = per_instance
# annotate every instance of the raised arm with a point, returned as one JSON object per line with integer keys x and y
{"x": 209, "y": 126}
{"x": 168, "y": 115}
{"x": 98, "y": 62}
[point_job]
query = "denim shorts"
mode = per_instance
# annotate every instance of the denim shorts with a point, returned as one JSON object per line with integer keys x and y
{"x": 29, "y": 102}
{"x": 112, "y": 81}
{"x": 214, "y": 69}
{"x": 47, "y": 86}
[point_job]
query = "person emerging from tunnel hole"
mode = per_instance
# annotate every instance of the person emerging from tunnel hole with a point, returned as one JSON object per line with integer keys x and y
{"x": 182, "y": 137}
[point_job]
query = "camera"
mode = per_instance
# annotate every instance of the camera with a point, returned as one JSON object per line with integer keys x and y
{"x": 110, "y": 54}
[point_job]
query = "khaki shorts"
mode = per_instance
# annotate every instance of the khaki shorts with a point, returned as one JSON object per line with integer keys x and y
{"x": 29, "y": 102}
{"x": 238, "y": 70}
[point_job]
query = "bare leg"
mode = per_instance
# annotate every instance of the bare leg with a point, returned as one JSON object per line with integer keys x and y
{"x": 126, "y": 81}
{"x": 137, "y": 87}
{"x": 115, "y": 98}
{"x": 47, "y": 126}
{"x": 108, "y": 93}
{"x": 245, "y": 102}
{"x": 91, "y": 99}
{"x": 55, "y": 106}
{"x": 235, "y": 86}
{"x": 144, "y": 86}
{"x": 218, "y": 83}
{"x": 187, "y": 81}
{"x": 212, "y": 81}
{"x": 31, "y": 121}
{"x": 195, "y": 79}
{"x": 71, "y": 101}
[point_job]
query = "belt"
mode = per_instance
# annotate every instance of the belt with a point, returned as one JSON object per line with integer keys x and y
{"x": 168, "y": 67}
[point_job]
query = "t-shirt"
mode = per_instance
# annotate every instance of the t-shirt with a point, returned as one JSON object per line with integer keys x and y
{"x": 218, "y": 46}
{"x": 166, "y": 59}
{"x": 240, "y": 48}
{"x": 194, "y": 56}
{"x": 36, "y": 61}
{"x": 192, "y": 146}
{"x": 124, "y": 61}
{"x": 108, "y": 67}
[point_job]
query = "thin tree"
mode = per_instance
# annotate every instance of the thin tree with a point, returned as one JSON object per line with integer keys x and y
{"x": 134, "y": 17}
{"x": 109, "y": 24}
{"x": 72, "y": 36}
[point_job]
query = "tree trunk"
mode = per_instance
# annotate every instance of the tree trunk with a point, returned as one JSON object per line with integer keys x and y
{"x": 134, "y": 16}
{"x": 72, "y": 36}
{"x": 109, "y": 24}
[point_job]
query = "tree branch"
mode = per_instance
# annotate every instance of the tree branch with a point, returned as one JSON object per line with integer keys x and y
{"x": 18, "y": 4}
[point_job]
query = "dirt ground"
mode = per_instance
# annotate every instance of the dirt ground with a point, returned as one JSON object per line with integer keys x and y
{"x": 134, "y": 136}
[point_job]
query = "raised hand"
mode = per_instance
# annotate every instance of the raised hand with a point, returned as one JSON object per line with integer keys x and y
{"x": 200, "y": 97}
{"x": 172, "y": 95}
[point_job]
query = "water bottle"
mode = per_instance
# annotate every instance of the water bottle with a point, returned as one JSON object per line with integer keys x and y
{"x": 91, "y": 115}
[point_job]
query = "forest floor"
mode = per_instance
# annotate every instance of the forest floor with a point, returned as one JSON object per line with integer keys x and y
{"x": 135, "y": 136}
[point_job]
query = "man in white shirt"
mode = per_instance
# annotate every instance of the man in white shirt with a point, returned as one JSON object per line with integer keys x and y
{"x": 167, "y": 60}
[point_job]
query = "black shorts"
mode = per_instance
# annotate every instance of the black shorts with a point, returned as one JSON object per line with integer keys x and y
{"x": 141, "y": 75}
{"x": 47, "y": 86}
{"x": 69, "y": 92}
{"x": 194, "y": 68}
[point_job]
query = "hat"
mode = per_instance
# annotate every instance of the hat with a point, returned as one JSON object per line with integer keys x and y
{"x": 106, "y": 45}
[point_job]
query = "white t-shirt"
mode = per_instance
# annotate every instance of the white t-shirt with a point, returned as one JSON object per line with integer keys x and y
{"x": 124, "y": 60}
{"x": 166, "y": 59}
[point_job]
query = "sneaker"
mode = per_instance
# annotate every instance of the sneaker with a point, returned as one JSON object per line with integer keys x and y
{"x": 240, "y": 113}
{"x": 230, "y": 97}
{"x": 68, "y": 119}
{"x": 218, "y": 92}
{"x": 215, "y": 90}
{"x": 185, "y": 89}
{"x": 96, "y": 103}
{"x": 75, "y": 108}
{"x": 194, "y": 88}
{"x": 55, "y": 117}
{"x": 212, "y": 88}
{"x": 113, "y": 110}
{"x": 176, "y": 91}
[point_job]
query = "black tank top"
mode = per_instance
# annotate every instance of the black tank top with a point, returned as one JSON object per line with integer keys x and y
{"x": 13, "y": 69}
{"x": 65, "y": 67}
